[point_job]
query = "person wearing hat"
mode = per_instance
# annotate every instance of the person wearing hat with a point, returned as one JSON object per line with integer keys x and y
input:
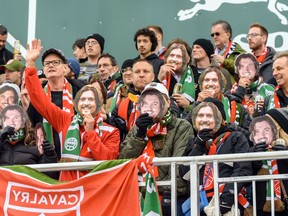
{"x": 121, "y": 89}
{"x": 214, "y": 137}
{"x": 94, "y": 47}
{"x": 92, "y": 138}
{"x": 202, "y": 51}
{"x": 249, "y": 84}
{"x": 157, "y": 132}
{"x": 60, "y": 91}
{"x": 13, "y": 70}
{"x": 73, "y": 69}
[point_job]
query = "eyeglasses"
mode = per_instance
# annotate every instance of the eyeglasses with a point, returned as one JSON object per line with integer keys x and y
{"x": 103, "y": 65}
{"x": 216, "y": 34}
{"x": 125, "y": 70}
{"x": 91, "y": 42}
{"x": 252, "y": 35}
{"x": 54, "y": 63}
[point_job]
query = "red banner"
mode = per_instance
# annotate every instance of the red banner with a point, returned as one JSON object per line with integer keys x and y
{"x": 111, "y": 189}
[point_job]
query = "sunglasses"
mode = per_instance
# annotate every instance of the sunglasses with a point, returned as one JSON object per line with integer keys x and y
{"x": 216, "y": 33}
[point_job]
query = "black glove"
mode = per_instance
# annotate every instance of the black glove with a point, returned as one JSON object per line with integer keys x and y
{"x": 203, "y": 136}
{"x": 48, "y": 148}
{"x": 142, "y": 122}
{"x": 279, "y": 147}
{"x": 224, "y": 207}
{"x": 260, "y": 147}
{"x": 5, "y": 132}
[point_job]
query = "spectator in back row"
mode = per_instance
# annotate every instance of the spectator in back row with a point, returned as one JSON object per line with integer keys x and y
{"x": 5, "y": 54}
{"x": 94, "y": 47}
{"x": 146, "y": 43}
{"x": 202, "y": 51}
{"x": 257, "y": 38}
{"x": 226, "y": 50}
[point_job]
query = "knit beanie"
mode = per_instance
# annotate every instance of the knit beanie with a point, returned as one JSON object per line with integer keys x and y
{"x": 127, "y": 63}
{"x": 206, "y": 45}
{"x": 98, "y": 38}
{"x": 219, "y": 105}
{"x": 280, "y": 115}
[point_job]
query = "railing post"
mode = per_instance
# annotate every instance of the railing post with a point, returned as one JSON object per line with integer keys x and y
{"x": 194, "y": 188}
{"x": 173, "y": 189}
{"x": 216, "y": 187}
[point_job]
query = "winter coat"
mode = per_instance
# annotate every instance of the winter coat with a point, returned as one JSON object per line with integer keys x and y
{"x": 179, "y": 131}
{"x": 236, "y": 142}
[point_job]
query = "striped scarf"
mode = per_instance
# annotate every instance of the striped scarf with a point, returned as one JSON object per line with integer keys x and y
{"x": 74, "y": 138}
{"x": 116, "y": 98}
{"x": 67, "y": 106}
{"x": 187, "y": 81}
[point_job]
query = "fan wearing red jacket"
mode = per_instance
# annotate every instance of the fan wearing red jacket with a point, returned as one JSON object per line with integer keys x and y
{"x": 84, "y": 136}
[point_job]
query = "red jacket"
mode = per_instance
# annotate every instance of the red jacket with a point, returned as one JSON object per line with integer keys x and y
{"x": 93, "y": 147}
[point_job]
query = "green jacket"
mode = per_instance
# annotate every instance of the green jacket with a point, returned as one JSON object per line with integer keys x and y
{"x": 179, "y": 131}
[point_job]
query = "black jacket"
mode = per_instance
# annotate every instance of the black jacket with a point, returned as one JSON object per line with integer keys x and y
{"x": 5, "y": 56}
{"x": 265, "y": 69}
{"x": 155, "y": 61}
{"x": 236, "y": 142}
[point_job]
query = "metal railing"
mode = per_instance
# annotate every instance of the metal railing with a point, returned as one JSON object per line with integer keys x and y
{"x": 194, "y": 163}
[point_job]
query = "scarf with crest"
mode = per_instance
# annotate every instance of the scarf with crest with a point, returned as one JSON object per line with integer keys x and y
{"x": 274, "y": 101}
{"x": 67, "y": 106}
{"x": 16, "y": 136}
{"x": 160, "y": 130}
{"x": 229, "y": 108}
{"x": 187, "y": 81}
{"x": 74, "y": 138}
{"x": 116, "y": 98}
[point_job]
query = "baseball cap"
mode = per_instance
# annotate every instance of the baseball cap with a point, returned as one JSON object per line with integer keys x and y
{"x": 74, "y": 66}
{"x": 55, "y": 51}
{"x": 156, "y": 86}
{"x": 15, "y": 65}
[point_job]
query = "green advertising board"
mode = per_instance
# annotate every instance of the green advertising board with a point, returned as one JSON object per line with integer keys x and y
{"x": 58, "y": 23}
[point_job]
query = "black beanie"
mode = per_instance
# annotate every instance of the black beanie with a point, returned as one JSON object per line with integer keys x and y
{"x": 219, "y": 105}
{"x": 127, "y": 63}
{"x": 206, "y": 45}
{"x": 98, "y": 38}
{"x": 280, "y": 115}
